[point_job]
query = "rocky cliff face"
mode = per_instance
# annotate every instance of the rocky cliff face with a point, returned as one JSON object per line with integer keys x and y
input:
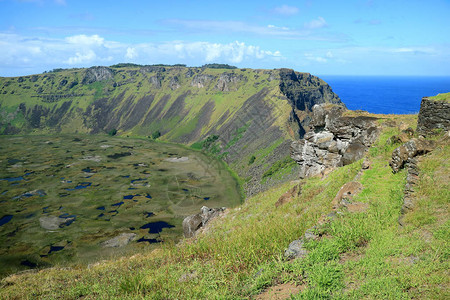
{"x": 234, "y": 114}
{"x": 335, "y": 140}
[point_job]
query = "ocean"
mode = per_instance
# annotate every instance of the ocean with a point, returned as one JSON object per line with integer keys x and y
{"x": 386, "y": 94}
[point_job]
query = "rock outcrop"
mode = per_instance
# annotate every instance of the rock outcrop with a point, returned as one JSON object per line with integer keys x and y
{"x": 193, "y": 223}
{"x": 334, "y": 140}
{"x": 408, "y": 151}
{"x": 95, "y": 74}
{"x": 201, "y": 80}
{"x": 433, "y": 115}
{"x": 227, "y": 79}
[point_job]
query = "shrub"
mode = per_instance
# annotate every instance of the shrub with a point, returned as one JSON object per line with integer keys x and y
{"x": 112, "y": 132}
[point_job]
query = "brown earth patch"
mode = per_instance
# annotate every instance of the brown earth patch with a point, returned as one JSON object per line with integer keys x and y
{"x": 287, "y": 197}
{"x": 281, "y": 291}
{"x": 357, "y": 207}
{"x": 347, "y": 191}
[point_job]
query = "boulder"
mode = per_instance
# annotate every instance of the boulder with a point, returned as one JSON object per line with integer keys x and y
{"x": 193, "y": 223}
{"x": 54, "y": 222}
{"x": 119, "y": 241}
{"x": 409, "y": 150}
{"x": 296, "y": 250}
{"x": 353, "y": 153}
{"x": 347, "y": 192}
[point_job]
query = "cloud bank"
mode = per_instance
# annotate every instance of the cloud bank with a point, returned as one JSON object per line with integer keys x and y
{"x": 18, "y": 52}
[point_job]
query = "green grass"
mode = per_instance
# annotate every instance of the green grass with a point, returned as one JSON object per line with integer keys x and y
{"x": 360, "y": 255}
{"x": 441, "y": 97}
{"x": 282, "y": 166}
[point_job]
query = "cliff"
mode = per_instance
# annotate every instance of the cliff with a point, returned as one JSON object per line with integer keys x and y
{"x": 239, "y": 115}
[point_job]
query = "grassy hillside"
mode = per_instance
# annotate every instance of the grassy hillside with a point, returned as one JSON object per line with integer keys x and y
{"x": 230, "y": 113}
{"x": 359, "y": 251}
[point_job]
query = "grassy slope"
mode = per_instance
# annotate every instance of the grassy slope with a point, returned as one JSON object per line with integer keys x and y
{"x": 360, "y": 255}
{"x": 441, "y": 97}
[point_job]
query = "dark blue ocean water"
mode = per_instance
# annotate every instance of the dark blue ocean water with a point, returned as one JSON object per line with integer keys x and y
{"x": 386, "y": 94}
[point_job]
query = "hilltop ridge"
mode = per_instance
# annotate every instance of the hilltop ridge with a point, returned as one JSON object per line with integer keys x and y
{"x": 231, "y": 113}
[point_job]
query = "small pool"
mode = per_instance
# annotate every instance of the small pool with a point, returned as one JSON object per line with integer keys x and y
{"x": 156, "y": 227}
{"x": 5, "y": 219}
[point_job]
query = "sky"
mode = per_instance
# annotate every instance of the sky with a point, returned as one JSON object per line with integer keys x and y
{"x": 322, "y": 37}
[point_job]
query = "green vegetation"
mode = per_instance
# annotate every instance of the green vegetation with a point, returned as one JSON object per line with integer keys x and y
{"x": 112, "y": 132}
{"x": 218, "y": 66}
{"x": 360, "y": 254}
{"x": 156, "y": 134}
{"x": 108, "y": 190}
{"x": 237, "y": 135}
{"x": 441, "y": 97}
{"x": 285, "y": 163}
{"x": 205, "y": 144}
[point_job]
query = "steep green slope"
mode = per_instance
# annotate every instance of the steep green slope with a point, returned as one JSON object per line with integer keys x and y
{"x": 235, "y": 114}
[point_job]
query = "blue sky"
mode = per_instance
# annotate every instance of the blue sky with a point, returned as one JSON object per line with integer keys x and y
{"x": 352, "y": 37}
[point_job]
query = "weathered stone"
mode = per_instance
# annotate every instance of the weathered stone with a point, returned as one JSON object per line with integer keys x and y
{"x": 296, "y": 250}
{"x": 310, "y": 234}
{"x": 323, "y": 139}
{"x": 223, "y": 84}
{"x": 95, "y": 74}
{"x": 433, "y": 116}
{"x": 119, "y": 241}
{"x": 366, "y": 164}
{"x": 156, "y": 80}
{"x": 201, "y": 80}
{"x": 174, "y": 83}
{"x": 409, "y": 150}
{"x": 334, "y": 141}
{"x": 54, "y": 222}
{"x": 193, "y": 223}
{"x": 353, "y": 153}
{"x": 347, "y": 191}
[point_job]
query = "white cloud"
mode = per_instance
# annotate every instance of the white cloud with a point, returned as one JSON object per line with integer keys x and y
{"x": 85, "y": 40}
{"x": 131, "y": 53}
{"x": 286, "y": 10}
{"x": 18, "y": 52}
{"x": 317, "y": 23}
{"x": 312, "y": 57}
{"x": 81, "y": 58}
{"x": 200, "y": 26}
